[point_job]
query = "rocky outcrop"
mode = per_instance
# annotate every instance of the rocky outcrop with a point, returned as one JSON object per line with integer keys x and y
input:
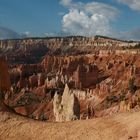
{"x": 33, "y": 49}
{"x": 86, "y": 76}
{"x": 4, "y": 83}
{"x": 101, "y": 84}
{"x": 4, "y": 76}
{"x": 66, "y": 108}
{"x": 76, "y": 70}
{"x": 27, "y": 75}
{"x": 56, "y": 71}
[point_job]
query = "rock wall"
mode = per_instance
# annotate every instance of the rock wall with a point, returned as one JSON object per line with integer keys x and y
{"x": 33, "y": 49}
{"x": 86, "y": 76}
{"x": 99, "y": 83}
{"x": 4, "y": 76}
{"x": 4, "y": 83}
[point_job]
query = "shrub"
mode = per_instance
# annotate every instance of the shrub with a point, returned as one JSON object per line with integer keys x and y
{"x": 1, "y": 96}
{"x": 122, "y": 95}
{"x": 31, "y": 116}
{"x": 73, "y": 117}
{"x": 43, "y": 117}
{"x": 111, "y": 98}
{"x": 137, "y": 46}
{"x": 131, "y": 85}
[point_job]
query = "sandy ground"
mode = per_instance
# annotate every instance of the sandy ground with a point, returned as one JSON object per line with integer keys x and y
{"x": 120, "y": 127}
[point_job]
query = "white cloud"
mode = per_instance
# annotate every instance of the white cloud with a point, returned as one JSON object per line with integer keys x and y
{"x": 61, "y": 13}
{"x": 27, "y": 33}
{"x": 79, "y": 23}
{"x": 6, "y": 33}
{"x": 133, "y": 34}
{"x": 133, "y": 4}
{"x": 89, "y": 19}
{"x": 95, "y": 18}
{"x": 65, "y": 2}
{"x": 50, "y": 34}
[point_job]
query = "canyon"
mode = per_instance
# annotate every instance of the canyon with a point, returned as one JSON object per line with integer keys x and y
{"x": 63, "y": 79}
{"x": 30, "y": 50}
{"x": 103, "y": 85}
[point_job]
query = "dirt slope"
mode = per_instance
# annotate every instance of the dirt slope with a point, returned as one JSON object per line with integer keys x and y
{"x": 121, "y": 127}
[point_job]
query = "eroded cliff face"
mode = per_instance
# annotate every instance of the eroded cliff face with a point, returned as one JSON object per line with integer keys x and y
{"x": 102, "y": 85}
{"x": 4, "y": 82}
{"x": 28, "y": 51}
{"x": 102, "y": 82}
{"x": 4, "y": 76}
{"x": 33, "y": 86}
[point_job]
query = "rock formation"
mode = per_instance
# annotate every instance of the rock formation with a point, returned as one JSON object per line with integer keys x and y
{"x": 98, "y": 71}
{"x": 66, "y": 108}
{"x": 4, "y": 76}
{"x": 33, "y": 49}
{"x": 4, "y": 82}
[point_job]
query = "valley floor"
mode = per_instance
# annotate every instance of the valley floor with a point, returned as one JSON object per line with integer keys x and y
{"x": 123, "y": 126}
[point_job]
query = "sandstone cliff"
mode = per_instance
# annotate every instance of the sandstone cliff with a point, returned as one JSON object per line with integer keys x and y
{"x": 32, "y": 50}
{"x": 102, "y": 74}
{"x": 103, "y": 85}
{"x": 4, "y": 83}
{"x": 4, "y": 76}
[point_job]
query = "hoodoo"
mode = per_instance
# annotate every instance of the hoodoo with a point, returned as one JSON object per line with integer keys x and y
{"x": 66, "y": 107}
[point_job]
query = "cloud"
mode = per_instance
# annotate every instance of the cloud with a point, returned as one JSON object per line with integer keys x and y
{"x": 79, "y": 23}
{"x": 61, "y": 13}
{"x": 131, "y": 35}
{"x": 133, "y": 4}
{"x": 6, "y": 33}
{"x": 65, "y": 2}
{"x": 26, "y": 34}
{"x": 88, "y": 19}
{"x": 49, "y": 34}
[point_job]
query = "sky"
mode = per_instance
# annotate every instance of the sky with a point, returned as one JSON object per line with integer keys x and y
{"x": 114, "y": 18}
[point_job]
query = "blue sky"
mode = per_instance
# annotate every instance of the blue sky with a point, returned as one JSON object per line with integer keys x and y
{"x": 116, "y": 18}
